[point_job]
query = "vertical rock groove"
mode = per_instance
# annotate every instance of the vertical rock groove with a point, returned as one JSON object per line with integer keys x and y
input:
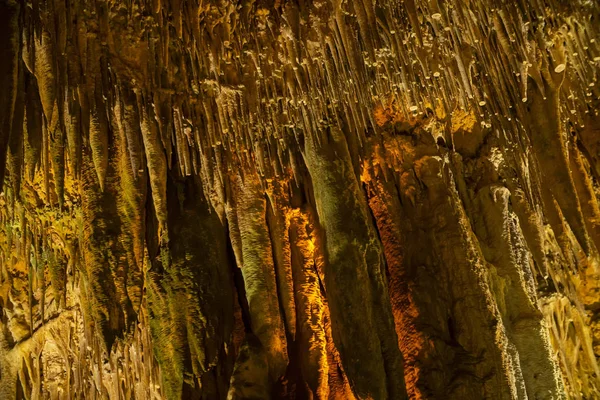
{"x": 325, "y": 199}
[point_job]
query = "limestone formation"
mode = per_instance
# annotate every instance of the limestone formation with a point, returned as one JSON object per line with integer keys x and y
{"x": 320, "y": 199}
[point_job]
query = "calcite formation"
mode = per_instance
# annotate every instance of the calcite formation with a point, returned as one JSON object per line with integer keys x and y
{"x": 322, "y": 199}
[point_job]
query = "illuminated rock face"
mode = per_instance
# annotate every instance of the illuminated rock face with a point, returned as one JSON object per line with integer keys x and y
{"x": 299, "y": 199}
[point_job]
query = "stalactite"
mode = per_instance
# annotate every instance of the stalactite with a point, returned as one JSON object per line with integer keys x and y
{"x": 259, "y": 276}
{"x": 33, "y": 132}
{"x": 277, "y": 214}
{"x": 9, "y": 73}
{"x": 14, "y": 159}
{"x": 287, "y": 199}
{"x": 354, "y": 261}
{"x": 311, "y": 335}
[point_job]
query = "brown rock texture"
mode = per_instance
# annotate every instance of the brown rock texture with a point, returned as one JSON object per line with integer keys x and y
{"x": 299, "y": 199}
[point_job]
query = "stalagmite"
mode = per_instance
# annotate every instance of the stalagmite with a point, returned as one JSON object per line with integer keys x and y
{"x": 287, "y": 199}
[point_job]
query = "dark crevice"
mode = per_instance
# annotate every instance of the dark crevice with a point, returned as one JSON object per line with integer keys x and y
{"x": 238, "y": 282}
{"x": 270, "y": 223}
{"x": 373, "y": 220}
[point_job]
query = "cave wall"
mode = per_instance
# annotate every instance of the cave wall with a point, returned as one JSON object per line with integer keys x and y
{"x": 321, "y": 199}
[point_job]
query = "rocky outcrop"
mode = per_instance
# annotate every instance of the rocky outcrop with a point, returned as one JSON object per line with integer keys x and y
{"x": 291, "y": 199}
